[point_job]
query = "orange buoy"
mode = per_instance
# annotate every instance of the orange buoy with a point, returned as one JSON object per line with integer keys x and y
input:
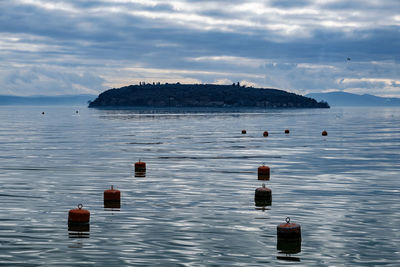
{"x": 112, "y": 198}
{"x": 78, "y": 219}
{"x": 288, "y": 230}
{"x": 263, "y": 172}
{"x": 263, "y": 196}
{"x": 287, "y": 131}
{"x": 324, "y": 133}
{"x": 140, "y": 166}
{"x": 265, "y": 134}
{"x": 244, "y": 132}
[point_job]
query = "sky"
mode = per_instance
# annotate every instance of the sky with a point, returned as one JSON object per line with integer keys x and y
{"x": 56, "y": 47}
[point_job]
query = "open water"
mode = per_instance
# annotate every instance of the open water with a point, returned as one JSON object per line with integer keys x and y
{"x": 195, "y": 207}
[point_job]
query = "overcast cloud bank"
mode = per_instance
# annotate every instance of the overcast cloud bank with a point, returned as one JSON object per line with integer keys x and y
{"x": 74, "y": 47}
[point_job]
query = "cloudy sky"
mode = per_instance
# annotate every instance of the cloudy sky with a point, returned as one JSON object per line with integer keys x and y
{"x": 52, "y": 47}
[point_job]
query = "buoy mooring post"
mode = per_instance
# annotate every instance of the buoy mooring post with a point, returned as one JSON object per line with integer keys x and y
{"x": 263, "y": 172}
{"x": 263, "y": 196}
{"x": 140, "y": 169}
{"x": 112, "y": 198}
{"x": 289, "y": 237}
{"x": 78, "y": 219}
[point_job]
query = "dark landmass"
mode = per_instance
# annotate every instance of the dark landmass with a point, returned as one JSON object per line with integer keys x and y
{"x": 348, "y": 99}
{"x": 46, "y": 100}
{"x": 201, "y": 95}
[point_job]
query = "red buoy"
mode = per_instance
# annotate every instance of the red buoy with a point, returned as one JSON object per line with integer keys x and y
{"x": 263, "y": 172}
{"x": 140, "y": 166}
{"x": 78, "y": 219}
{"x": 140, "y": 169}
{"x": 265, "y": 134}
{"x": 112, "y": 198}
{"x": 324, "y": 133}
{"x": 289, "y": 230}
{"x": 244, "y": 132}
{"x": 287, "y": 131}
{"x": 263, "y": 196}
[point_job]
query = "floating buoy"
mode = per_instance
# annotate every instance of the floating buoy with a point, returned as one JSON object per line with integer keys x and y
{"x": 112, "y": 198}
{"x": 265, "y": 134}
{"x": 76, "y": 112}
{"x": 140, "y": 169}
{"x": 288, "y": 230}
{"x": 287, "y": 131}
{"x": 140, "y": 166}
{"x": 289, "y": 238}
{"x": 244, "y": 132}
{"x": 324, "y": 133}
{"x": 42, "y": 113}
{"x": 263, "y": 172}
{"x": 263, "y": 196}
{"x": 78, "y": 219}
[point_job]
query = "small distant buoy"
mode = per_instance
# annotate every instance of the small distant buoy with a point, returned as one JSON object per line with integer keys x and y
{"x": 78, "y": 219}
{"x": 140, "y": 169}
{"x": 76, "y": 112}
{"x": 112, "y": 198}
{"x": 263, "y": 196}
{"x": 263, "y": 172}
{"x": 265, "y": 134}
{"x": 287, "y": 131}
{"x": 288, "y": 230}
{"x": 140, "y": 166}
{"x": 324, "y": 133}
{"x": 244, "y": 131}
{"x": 42, "y": 113}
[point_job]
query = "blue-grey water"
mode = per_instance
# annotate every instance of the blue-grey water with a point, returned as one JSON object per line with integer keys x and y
{"x": 195, "y": 207}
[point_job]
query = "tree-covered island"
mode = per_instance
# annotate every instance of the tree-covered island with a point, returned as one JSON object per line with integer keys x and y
{"x": 201, "y": 95}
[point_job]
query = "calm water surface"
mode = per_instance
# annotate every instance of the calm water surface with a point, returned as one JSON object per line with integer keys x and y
{"x": 195, "y": 207}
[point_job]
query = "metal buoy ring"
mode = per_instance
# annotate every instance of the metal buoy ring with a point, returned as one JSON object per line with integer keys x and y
{"x": 80, "y": 206}
{"x": 287, "y": 220}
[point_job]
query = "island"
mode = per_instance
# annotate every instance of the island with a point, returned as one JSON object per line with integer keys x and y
{"x": 201, "y": 95}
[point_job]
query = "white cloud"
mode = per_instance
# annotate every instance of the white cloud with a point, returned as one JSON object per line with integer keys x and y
{"x": 223, "y": 81}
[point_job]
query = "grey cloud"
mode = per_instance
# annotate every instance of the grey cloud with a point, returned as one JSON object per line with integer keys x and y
{"x": 289, "y": 3}
{"x": 108, "y": 41}
{"x": 41, "y": 80}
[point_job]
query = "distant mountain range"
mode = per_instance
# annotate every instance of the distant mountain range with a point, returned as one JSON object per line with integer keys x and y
{"x": 46, "y": 100}
{"x": 201, "y": 95}
{"x": 348, "y": 99}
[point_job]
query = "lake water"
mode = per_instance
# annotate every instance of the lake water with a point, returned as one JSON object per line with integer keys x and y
{"x": 195, "y": 207}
